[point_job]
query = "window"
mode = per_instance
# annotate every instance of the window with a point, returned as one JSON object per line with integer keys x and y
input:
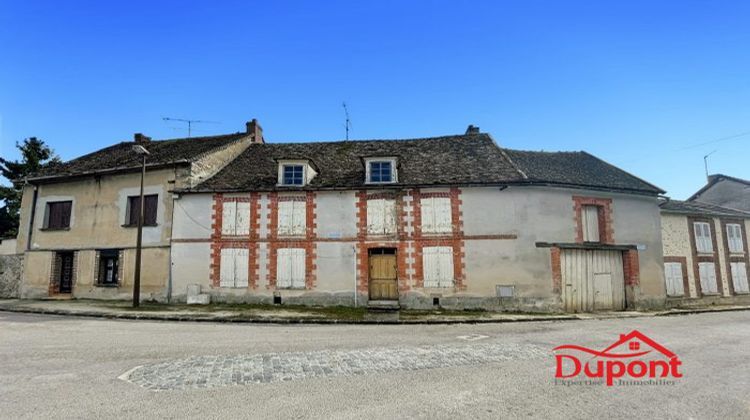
{"x": 438, "y": 266}
{"x": 734, "y": 238}
{"x": 58, "y": 215}
{"x": 234, "y": 267}
{"x": 703, "y": 237}
{"x": 381, "y": 171}
{"x": 290, "y": 268}
{"x": 235, "y": 218}
{"x": 436, "y": 215}
{"x": 739, "y": 277}
{"x": 590, "y": 223}
{"x": 150, "y": 204}
{"x": 109, "y": 264}
{"x": 381, "y": 216}
{"x": 707, "y": 273}
{"x": 293, "y": 175}
{"x": 673, "y": 276}
{"x": 292, "y": 218}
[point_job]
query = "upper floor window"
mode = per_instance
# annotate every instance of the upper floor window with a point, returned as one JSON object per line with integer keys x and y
{"x": 590, "y": 223}
{"x": 292, "y": 217}
{"x": 703, "y": 241}
{"x": 235, "y": 218}
{"x": 381, "y": 216}
{"x": 436, "y": 215}
{"x": 150, "y": 205}
{"x": 734, "y": 238}
{"x": 293, "y": 175}
{"x": 381, "y": 171}
{"x": 57, "y": 215}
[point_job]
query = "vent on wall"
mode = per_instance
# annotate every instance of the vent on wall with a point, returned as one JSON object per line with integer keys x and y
{"x": 505, "y": 291}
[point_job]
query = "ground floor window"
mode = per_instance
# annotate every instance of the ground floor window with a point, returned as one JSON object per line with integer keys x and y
{"x": 673, "y": 276}
{"x": 290, "y": 268}
{"x": 438, "y": 266}
{"x": 109, "y": 264}
{"x": 707, "y": 274}
{"x": 739, "y": 277}
{"x": 234, "y": 267}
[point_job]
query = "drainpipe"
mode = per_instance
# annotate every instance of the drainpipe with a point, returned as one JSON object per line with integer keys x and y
{"x": 33, "y": 215}
{"x": 354, "y": 252}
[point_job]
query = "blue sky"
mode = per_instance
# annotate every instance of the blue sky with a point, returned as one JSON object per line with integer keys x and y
{"x": 640, "y": 84}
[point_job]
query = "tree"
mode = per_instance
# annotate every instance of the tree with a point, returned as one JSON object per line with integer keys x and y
{"x": 35, "y": 155}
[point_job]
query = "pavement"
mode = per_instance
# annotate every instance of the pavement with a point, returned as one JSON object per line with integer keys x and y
{"x": 77, "y": 367}
{"x": 316, "y": 315}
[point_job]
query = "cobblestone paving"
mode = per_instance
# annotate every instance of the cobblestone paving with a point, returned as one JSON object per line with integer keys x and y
{"x": 215, "y": 371}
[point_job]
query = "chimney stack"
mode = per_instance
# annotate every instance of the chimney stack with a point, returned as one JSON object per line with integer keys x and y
{"x": 472, "y": 129}
{"x": 255, "y": 131}
{"x": 140, "y": 138}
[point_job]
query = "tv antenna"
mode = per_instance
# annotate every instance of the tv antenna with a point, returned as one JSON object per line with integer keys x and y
{"x": 348, "y": 124}
{"x": 705, "y": 162}
{"x": 189, "y": 122}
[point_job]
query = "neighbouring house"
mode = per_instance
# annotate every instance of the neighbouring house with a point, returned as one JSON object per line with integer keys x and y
{"x": 453, "y": 221}
{"x": 705, "y": 253}
{"x": 725, "y": 191}
{"x": 78, "y": 219}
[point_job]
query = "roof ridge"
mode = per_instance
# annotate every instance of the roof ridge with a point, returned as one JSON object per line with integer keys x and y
{"x": 447, "y": 136}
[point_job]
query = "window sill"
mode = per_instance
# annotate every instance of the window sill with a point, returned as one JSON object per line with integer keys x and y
{"x": 381, "y": 183}
{"x": 47, "y": 229}
{"x": 291, "y": 288}
{"x": 135, "y": 226}
{"x": 107, "y": 286}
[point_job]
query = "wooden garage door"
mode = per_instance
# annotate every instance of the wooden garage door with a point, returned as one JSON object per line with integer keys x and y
{"x": 592, "y": 280}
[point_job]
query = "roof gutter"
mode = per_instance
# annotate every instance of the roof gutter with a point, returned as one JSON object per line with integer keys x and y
{"x": 85, "y": 174}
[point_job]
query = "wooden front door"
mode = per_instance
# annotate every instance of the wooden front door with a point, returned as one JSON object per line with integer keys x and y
{"x": 383, "y": 279}
{"x": 66, "y": 272}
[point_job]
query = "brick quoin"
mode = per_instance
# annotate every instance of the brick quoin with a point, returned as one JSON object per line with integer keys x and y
{"x": 606, "y": 226}
{"x": 556, "y": 270}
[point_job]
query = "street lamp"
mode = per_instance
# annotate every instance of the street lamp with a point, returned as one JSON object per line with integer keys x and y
{"x": 140, "y": 150}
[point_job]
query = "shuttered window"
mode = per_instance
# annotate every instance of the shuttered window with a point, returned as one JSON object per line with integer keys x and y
{"x": 673, "y": 276}
{"x": 436, "y": 215}
{"x": 290, "y": 268}
{"x": 235, "y": 218}
{"x": 703, "y": 237}
{"x": 707, "y": 273}
{"x": 234, "y": 267}
{"x": 734, "y": 238}
{"x": 58, "y": 215}
{"x": 381, "y": 216}
{"x": 292, "y": 218}
{"x": 739, "y": 277}
{"x": 109, "y": 263}
{"x": 437, "y": 263}
{"x": 150, "y": 205}
{"x": 590, "y": 222}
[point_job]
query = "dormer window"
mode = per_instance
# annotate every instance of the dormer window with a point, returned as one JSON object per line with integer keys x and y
{"x": 295, "y": 173}
{"x": 381, "y": 170}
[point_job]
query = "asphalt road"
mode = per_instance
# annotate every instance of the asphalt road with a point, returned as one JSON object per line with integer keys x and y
{"x": 66, "y": 367}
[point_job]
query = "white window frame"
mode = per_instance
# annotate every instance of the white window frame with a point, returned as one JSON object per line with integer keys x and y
{"x": 437, "y": 264}
{"x": 308, "y": 173}
{"x": 394, "y": 171}
{"x": 707, "y": 277}
{"x": 673, "y": 276}
{"x": 292, "y": 217}
{"x": 735, "y": 239}
{"x": 235, "y": 218}
{"x": 290, "y": 268}
{"x": 234, "y": 267}
{"x": 739, "y": 277}
{"x": 703, "y": 242}
{"x": 381, "y": 216}
{"x": 437, "y": 215}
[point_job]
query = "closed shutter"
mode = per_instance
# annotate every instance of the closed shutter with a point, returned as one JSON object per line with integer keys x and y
{"x": 427, "y": 209}
{"x": 298, "y": 218}
{"x": 445, "y": 260}
{"x": 242, "y": 225}
{"x": 150, "y": 205}
{"x": 241, "y": 262}
{"x": 436, "y": 215}
{"x": 286, "y": 209}
{"x": 707, "y": 273}
{"x": 673, "y": 276}
{"x": 739, "y": 277}
{"x": 283, "y": 268}
{"x": 298, "y": 268}
{"x": 703, "y": 241}
{"x": 590, "y": 223}
{"x": 228, "y": 218}
{"x": 375, "y": 217}
{"x": 734, "y": 238}
{"x": 437, "y": 263}
{"x": 227, "y": 267}
{"x": 389, "y": 216}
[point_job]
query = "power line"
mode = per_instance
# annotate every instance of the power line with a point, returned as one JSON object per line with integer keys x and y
{"x": 189, "y": 122}
{"x": 734, "y": 136}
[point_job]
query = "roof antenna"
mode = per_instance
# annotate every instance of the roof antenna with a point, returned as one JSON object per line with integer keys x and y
{"x": 705, "y": 162}
{"x": 190, "y": 122}
{"x": 348, "y": 122}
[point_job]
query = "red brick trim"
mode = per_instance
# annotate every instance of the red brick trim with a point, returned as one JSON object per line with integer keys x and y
{"x": 556, "y": 270}
{"x": 606, "y": 225}
{"x": 307, "y": 243}
{"x": 728, "y": 256}
{"x": 685, "y": 280}
{"x": 631, "y": 267}
{"x": 713, "y": 257}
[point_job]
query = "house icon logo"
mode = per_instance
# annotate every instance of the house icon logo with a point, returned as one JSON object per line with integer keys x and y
{"x": 634, "y": 359}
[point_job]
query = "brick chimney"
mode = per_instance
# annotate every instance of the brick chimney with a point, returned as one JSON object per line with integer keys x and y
{"x": 472, "y": 129}
{"x": 255, "y": 131}
{"x": 140, "y": 138}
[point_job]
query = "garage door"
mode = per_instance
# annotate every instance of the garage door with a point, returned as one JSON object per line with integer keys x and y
{"x": 592, "y": 280}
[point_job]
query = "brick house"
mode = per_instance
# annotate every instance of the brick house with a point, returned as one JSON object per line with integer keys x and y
{"x": 452, "y": 221}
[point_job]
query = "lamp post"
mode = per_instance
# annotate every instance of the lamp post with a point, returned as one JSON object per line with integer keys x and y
{"x": 137, "y": 277}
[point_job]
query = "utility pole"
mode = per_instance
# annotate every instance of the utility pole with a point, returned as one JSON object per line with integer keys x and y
{"x": 189, "y": 123}
{"x": 138, "y": 242}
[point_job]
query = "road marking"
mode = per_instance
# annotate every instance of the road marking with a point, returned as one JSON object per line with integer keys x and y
{"x": 473, "y": 337}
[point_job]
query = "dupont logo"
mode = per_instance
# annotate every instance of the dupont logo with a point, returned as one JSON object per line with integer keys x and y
{"x": 634, "y": 359}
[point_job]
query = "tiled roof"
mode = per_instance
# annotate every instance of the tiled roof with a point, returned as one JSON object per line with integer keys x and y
{"x": 577, "y": 169}
{"x": 121, "y": 156}
{"x": 698, "y": 208}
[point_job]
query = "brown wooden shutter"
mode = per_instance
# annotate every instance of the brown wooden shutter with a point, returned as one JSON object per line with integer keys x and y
{"x": 151, "y": 203}
{"x": 135, "y": 207}
{"x": 59, "y": 214}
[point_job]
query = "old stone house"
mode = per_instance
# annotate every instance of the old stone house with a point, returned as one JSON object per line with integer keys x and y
{"x": 705, "y": 253}
{"x": 725, "y": 191}
{"x": 77, "y": 226}
{"x": 452, "y": 221}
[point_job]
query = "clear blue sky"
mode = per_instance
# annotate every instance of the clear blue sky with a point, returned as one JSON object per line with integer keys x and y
{"x": 635, "y": 83}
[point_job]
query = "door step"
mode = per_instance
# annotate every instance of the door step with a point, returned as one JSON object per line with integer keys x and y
{"x": 382, "y": 310}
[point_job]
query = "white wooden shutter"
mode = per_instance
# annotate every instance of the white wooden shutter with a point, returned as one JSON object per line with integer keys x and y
{"x": 739, "y": 277}
{"x": 673, "y": 276}
{"x": 242, "y": 224}
{"x": 286, "y": 210}
{"x": 590, "y": 223}
{"x": 430, "y": 267}
{"x": 445, "y": 260}
{"x": 299, "y": 218}
{"x": 375, "y": 216}
{"x": 283, "y": 268}
{"x": 707, "y": 272}
{"x": 229, "y": 218}
{"x": 298, "y": 268}
{"x": 227, "y": 269}
{"x": 734, "y": 238}
{"x": 428, "y": 215}
{"x": 443, "y": 216}
{"x": 703, "y": 237}
{"x": 389, "y": 216}
{"x": 241, "y": 263}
